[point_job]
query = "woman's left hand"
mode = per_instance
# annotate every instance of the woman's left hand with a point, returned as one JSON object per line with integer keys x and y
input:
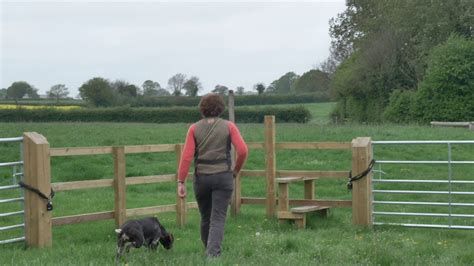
{"x": 181, "y": 190}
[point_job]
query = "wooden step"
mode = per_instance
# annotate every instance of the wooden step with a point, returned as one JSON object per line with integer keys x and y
{"x": 306, "y": 209}
{"x": 283, "y": 180}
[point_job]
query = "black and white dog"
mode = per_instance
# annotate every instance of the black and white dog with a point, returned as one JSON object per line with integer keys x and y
{"x": 148, "y": 232}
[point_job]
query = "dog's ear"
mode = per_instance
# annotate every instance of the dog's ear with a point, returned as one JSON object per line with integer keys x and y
{"x": 118, "y": 231}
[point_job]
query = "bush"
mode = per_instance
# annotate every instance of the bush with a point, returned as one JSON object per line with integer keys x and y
{"x": 447, "y": 91}
{"x": 401, "y": 107}
{"x": 240, "y": 100}
{"x": 149, "y": 115}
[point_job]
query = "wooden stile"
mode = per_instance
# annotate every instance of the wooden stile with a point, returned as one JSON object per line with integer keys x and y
{"x": 361, "y": 189}
{"x": 37, "y": 173}
{"x": 119, "y": 186}
{"x": 309, "y": 190}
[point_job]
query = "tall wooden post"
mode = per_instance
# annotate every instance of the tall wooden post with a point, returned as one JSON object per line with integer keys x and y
{"x": 120, "y": 214}
{"x": 180, "y": 202}
{"x": 37, "y": 173}
{"x": 270, "y": 161}
{"x": 235, "y": 202}
{"x": 231, "y": 106}
{"x": 361, "y": 189}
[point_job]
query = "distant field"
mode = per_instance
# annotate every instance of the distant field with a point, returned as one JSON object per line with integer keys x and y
{"x": 60, "y": 107}
{"x": 250, "y": 238}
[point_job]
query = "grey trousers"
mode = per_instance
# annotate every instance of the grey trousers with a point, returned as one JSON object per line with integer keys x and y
{"x": 213, "y": 193}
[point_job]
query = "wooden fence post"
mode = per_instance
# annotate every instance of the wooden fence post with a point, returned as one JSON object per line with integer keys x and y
{"x": 235, "y": 202}
{"x": 120, "y": 213}
{"x": 180, "y": 202}
{"x": 236, "y": 197}
{"x": 37, "y": 173}
{"x": 361, "y": 189}
{"x": 270, "y": 161}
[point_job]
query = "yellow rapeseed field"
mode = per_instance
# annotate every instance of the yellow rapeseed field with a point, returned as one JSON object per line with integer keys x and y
{"x": 12, "y": 106}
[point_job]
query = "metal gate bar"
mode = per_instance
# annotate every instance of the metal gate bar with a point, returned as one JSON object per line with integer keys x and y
{"x": 15, "y": 174}
{"x": 449, "y": 192}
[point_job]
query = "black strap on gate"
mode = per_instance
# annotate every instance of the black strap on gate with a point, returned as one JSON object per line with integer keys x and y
{"x": 361, "y": 175}
{"x": 49, "y": 205}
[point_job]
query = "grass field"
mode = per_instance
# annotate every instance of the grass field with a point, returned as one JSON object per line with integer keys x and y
{"x": 250, "y": 238}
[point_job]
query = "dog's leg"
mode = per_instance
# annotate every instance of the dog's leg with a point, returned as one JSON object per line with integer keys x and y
{"x": 154, "y": 244}
{"x": 128, "y": 246}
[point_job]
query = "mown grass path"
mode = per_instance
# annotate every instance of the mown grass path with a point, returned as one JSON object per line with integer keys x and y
{"x": 250, "y": 238}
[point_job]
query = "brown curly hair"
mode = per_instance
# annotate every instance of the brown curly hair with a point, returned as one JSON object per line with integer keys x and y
{"x": 211, "y": 105}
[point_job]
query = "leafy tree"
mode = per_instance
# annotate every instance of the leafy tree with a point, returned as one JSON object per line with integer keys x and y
{"x": 383, "y": 45}
{"x": 176, "y": 83}
{"x": 240, "y": 90}
{"x": 312, "y": 81}
{"x": 150, "y": 88}
{"x": 221, "y": 89}
{"x": 32, "y": 93}
{"x": 97, "y": 92}
{"x": 447, "y": 91}
{"x": 3, "y": 93}
{"x": 124, "y": 89}
{"x": 284, "y": 83}
{"x": 192, "y": 86}
{"x": 58, "y": 91}
{"x": 260, "y": 88}
{"x": 162, "y": 92}
{"x": 18, "y": 90}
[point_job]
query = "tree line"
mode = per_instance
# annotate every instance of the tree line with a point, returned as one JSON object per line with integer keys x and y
{"x": 403, "y": 61}
{"x": 99, "y": 91}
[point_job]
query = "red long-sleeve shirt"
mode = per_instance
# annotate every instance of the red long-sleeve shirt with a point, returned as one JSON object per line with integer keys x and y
{"x": 190, "y": 145}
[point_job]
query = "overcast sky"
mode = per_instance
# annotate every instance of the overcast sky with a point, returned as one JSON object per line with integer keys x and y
{"x": 228, "y": 43}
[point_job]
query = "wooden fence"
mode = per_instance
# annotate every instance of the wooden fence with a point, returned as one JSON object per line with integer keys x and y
{"x": 37, "y": 173}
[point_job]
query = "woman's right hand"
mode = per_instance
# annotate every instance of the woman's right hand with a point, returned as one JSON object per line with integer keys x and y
{"x": 181, "y": 190}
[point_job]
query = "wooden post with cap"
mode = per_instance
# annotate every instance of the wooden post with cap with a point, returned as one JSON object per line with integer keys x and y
{"x": 361, "y": 189}
{"x": 37, "y": 174}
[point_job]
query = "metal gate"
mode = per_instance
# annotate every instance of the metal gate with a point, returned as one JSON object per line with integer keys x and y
{"x": 435, "y": 208}
{"x": 17, "y": 172}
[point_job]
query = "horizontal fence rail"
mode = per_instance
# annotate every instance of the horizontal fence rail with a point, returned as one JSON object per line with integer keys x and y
{"x": 12, "y": 240}
{"x": 11, "y": 164}
{"x": 6, "y": 140}
{"x": 9, "y": 187}
{"x": 422, "y": 181}
{"x": 454, "y": 204}
{"x": 427, "y": 214}
{"x": 424, "y": 162}
{"x": 428, "y": 225}
{"x": 449, "y": 192}
{"x": 423, "y": 192}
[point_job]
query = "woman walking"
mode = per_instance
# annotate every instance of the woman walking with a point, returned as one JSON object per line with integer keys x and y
{"x": 208, "y": 142}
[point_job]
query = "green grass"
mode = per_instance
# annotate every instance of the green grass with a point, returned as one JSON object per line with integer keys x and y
{"x": 326, "y": 241}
